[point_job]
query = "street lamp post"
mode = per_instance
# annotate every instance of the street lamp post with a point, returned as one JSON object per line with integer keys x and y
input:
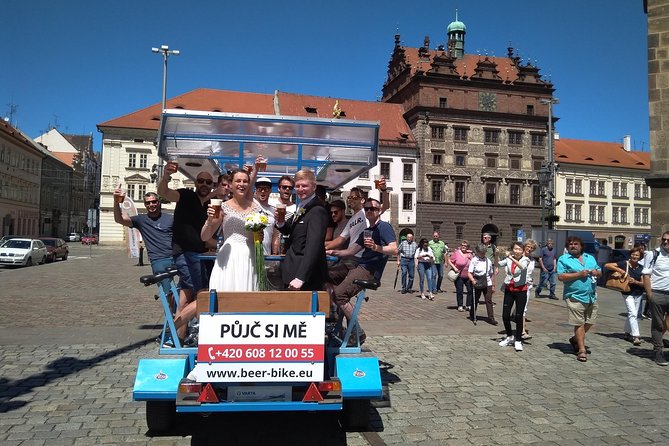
{"x": 548, "y": 192}
{"x": 544, "y": 176}
{"x": 166, "y": 53}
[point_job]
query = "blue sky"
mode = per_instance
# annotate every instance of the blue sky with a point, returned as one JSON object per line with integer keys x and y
{"x": 78, "y": 63}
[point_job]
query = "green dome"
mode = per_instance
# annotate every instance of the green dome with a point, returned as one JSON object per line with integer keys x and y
{"x": 456, "y": 26}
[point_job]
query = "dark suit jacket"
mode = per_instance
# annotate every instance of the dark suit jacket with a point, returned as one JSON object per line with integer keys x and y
{"x": 305, "y": 255}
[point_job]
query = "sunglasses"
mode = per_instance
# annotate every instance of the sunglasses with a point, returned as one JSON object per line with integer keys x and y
{"x": 369, "y": 209}
{"x": 665, "y": 240}
{"x": 286, "y": 187}
{"x": 151, "y": 202}
{"x": 203, "y": 181}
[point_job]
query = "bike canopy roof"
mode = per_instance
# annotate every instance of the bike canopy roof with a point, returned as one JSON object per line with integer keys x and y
{"x": 337, "y": 150}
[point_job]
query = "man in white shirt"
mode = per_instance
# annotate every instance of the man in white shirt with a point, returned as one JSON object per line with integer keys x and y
{"x": 656, "y": 282}
{"x": 270, "y": 241}
{"x": 355, "y": 226}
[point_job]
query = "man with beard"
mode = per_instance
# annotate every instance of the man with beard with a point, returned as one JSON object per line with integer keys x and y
{"x": 579, "y": 272}
{"x": 190, "y": 215}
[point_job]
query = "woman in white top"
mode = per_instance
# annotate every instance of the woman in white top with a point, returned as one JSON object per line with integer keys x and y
{"x": 528, "y": 247}
{"x": 424, "y": 260}
{"x": 515, "y": 292}
{"x": 481, "y": 272}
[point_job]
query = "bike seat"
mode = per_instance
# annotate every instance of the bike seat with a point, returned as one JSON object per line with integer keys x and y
{"x": 152, "y": 279}
{"x": 367, "y": 284}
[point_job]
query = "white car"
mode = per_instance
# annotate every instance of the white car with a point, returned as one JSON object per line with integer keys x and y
{"x": 23, "y": 251}
{"x": 73, "y": 237}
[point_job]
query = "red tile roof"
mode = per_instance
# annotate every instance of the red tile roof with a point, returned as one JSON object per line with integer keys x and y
{"x": 465, "y": 66}
{"x": 394, "y": 129}
{"x": 66, "y": 157}
{"x": 603, "y": 154}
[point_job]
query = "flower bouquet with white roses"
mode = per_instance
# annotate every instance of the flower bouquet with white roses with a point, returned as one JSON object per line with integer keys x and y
{"x": 256, "y": 223}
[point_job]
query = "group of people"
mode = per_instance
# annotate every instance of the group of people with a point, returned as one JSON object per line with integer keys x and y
{"x": 301, "y": 231}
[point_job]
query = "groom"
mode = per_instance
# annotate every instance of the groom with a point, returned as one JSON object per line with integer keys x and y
{"x": 305, "y": 267}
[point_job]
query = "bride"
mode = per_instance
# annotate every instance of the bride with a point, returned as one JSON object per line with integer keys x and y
{"x": 234, "y": 269}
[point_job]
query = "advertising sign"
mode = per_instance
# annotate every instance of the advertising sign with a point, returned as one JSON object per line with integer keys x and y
{"x": 260, "y": 347}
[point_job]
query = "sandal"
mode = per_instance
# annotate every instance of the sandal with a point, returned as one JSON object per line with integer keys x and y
{"x": 582, "y": 357}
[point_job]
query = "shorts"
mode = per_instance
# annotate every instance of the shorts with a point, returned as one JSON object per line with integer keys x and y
{"x": 160, "y": 266}
{"x": 581, "y": 313}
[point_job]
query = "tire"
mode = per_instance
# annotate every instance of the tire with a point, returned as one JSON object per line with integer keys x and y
{"x": 43, "y": 260}
{"x": 355, "y": 414}
{"x": 159, "y": 415}
{"x": 29, "y": 262}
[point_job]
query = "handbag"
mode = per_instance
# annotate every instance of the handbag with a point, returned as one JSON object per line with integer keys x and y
{"x": 452, "y": 275}
{"x": 619, "y": 282}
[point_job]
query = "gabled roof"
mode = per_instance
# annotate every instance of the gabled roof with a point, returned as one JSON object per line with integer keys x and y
{"x": 203, "y": 99}
{"x": 394, "y": 129}
{"x": 83, "y": 143}
{"x": 596, "y": 153}
{"x": 465, "y": 65}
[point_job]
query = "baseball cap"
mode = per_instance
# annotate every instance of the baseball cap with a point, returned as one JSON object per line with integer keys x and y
{"x": 264, "y": 181}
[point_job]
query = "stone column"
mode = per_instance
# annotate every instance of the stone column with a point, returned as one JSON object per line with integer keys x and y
{"x": 658, "y": 104}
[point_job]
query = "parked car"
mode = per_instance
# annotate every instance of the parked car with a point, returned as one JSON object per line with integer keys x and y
{"x": 56, "y": 248}
{"x": 73, "y": 237}
{"x": 23, "y": 251}
{"x": 89, "y": 239}
{"x": 8, "y": 237}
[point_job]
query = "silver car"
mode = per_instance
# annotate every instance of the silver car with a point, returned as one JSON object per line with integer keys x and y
{"x": 23, "y": 251}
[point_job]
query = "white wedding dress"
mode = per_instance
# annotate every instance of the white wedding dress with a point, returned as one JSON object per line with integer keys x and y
{"x": 234, "y": 269}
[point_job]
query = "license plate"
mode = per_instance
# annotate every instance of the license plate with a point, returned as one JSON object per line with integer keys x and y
{"x": 260, "y": 393}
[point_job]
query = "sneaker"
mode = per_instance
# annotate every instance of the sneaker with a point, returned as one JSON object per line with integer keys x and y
{"x": 506, "y": 341}
{"x": 518, "y": 346}
{"x": 526, "y": 336}
{"x": 422, "y": 296}
{"x": 461, "y": 309}
{"x": 191, "y": 340}
{"x": 660, "y": 359}
{"x": 431, "y": 296}
{"x": 553, "y": 297}
{"x": 636, "y": 341}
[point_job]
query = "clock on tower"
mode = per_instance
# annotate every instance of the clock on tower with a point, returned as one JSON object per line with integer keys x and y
{"x": 487, "y": 101}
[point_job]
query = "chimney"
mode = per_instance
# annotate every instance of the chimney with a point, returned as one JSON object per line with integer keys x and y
{"x": 627, "y": 143}
{"x": 426, "y": 42}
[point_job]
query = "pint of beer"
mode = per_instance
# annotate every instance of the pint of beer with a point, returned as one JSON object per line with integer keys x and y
{"x": 216, "y": 205}
{"x": 281, "y": 211}
{"x": 377, "y": 180}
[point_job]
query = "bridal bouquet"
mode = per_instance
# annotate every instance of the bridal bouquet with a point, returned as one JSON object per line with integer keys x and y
{"x": 256, "y": 223}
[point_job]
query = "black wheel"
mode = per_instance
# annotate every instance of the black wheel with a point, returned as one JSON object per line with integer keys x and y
{"x": 29, "y": 262}
{"x": 355, "y": 415}
{"x": 159, "y": 415}
{"x": 43, "y": 260}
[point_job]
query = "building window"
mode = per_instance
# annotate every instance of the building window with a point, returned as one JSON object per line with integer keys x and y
{"x": 491, "y": 136}
{"x": 569, "y": 212}
{"x": 436, "y": 190}
{"x": 460, "y": 134}
{"x": 637, "y": 191}
{"x": 537, "y": 163}
{"x": 132, "y": 160}
{"x": 459, "y": 232}
{"x": 616, "y": 189}
{"x": 131, "y": 192}
{"x": 578, "y": 187}
{"x": 515, "y": 138}
{"x": 437, "y": 132}
{"x": 593, "y": 213}
{"x": 593, "y": 187}
{"x": 600, "y": 214}
{"x": 615, "y": 214}
{"x": 459, "y": 160}
{"x": 436, "y": 158}
{"x": 637, "y": 216}
{"x": 491, "y": 161}
{"x": 570, "y": 185}
{"x": 385, "y": 170}
{"x": 623, "y": 215}
{"x": 141, "y": 190}
{"x": 407, "y": 174}
{"x": 459, "y": 191}
{"x": 443, "y": 102}
{"x": 530, "y": 110}
{"x": 407, "y": 201}
{"x": 577, "y": 212}
{"x": 514, "y": 192}
{"x": 601, "y": 188}
{"x": 514, "y": 163}
{"x": 623, "y": 190}
{"x": 644, "y": 216}
{"x": 491, "y": 193}
{"x": 142, "y": 161}
{"x": 536, "y": 195}
{"x": 538, "y": 140}
{"x": 644, "y": 189}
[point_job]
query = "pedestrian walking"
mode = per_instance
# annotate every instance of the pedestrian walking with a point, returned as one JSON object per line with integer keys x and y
{"x": 656, "y": 284}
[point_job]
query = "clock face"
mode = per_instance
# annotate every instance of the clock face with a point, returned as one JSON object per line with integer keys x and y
{"x": 487, "y": 101}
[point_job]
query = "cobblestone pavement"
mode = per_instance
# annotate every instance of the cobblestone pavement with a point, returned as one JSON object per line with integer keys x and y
{"x": 71, "y": 334}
